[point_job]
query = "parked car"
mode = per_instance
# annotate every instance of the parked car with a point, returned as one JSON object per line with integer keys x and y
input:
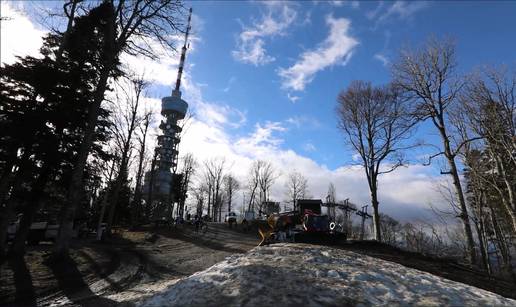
{"x": 231, "y": 218}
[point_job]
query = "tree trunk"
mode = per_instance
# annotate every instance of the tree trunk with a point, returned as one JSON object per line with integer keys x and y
{"x": 8, "y": 209}
{"x": 6, "y": 181}
{"x": 511, "y": 206}
{"x": 230, "y": 196}
{"x": 373, "y": 188}
{"x": 502, "y": 245}
{"x": 209, "y": 200}
{"x": 75, "y": 189}
{"x": 464, "y": 216}
{"x": 76, "y": 182}
{"x": 30, "y": 210}
{"x": 137, "y": 201}
{"x": 220, "y": 210}
{"x": 376, "y": 216}
{"x": 481, "y": 242}
{"x": 148, "y": 204}
{"x": 122, "y": 175}
{"x": 104, "y": 202}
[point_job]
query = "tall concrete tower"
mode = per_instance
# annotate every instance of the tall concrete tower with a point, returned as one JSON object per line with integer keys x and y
{"x": 173, "y": 109}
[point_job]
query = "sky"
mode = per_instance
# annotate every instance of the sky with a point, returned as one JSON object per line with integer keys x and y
{"x": 262, "y": 78}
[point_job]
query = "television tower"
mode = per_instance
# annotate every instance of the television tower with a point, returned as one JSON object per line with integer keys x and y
{"x": 173, "y": 109}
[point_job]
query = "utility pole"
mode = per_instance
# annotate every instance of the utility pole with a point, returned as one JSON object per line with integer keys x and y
{"x": 346, "y": 207}
{"x": 364, "y": 215}
{"x": 347, "y": 215}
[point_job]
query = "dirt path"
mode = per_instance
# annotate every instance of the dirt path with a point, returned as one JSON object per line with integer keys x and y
{"x": 103, "y": 274}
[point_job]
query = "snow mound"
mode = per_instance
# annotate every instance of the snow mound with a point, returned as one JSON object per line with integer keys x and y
{"x": 308, "y": 275}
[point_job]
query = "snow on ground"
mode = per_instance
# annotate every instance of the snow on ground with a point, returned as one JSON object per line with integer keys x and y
{"x": 309, "y": 275}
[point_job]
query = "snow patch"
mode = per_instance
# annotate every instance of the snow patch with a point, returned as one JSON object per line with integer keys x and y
{"x": 308, "y": 275}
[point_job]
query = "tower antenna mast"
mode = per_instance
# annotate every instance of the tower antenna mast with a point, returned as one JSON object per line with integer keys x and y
{"x": 183, "y": 55}
{"x": 162, "y": 182}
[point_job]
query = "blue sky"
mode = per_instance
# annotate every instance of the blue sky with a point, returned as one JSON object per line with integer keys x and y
{"x": 484, "y": 31}
{"x": 262, "y": 80}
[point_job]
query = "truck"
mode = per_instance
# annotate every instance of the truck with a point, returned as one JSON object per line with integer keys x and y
{"x": 306, "y": 224}
{"x": 231, "y": 218}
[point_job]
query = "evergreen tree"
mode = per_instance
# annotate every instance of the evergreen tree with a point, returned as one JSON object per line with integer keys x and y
{"x": 45, "y": 105}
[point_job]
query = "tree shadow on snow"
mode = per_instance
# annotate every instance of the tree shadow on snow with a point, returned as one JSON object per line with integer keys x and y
{"x": 25, "y": 293}
{"x": 72, "y": 284}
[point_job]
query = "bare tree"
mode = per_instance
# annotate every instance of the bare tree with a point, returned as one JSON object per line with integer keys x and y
{"x": 124, "y": 128}
{"x": 142, "y": 151}
{"x": 266, "y": 179}
{"x": 199, "y": 193}
{"x": 214, "y": 172}
{"x": 187, "y": 171}
{"x": 427, "y": 76}
{"x": 231, "y": 186}
{"x": 105, "y": 198}
{"x": 376, "y": 123}
{"x": 331, "y": 199}
{"x": 297, "y": 187}
{"x": 390, "y": 229}
{"x": 253, "y": 182}
{"x": 208, "y": 178}
{"x": 489, "y": 103}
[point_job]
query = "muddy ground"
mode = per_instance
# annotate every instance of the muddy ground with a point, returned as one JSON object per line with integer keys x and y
{"x": 97, "y": 271}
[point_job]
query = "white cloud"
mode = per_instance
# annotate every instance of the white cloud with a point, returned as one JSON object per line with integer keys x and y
{"x": 401, "y": 10}
{"x": 355, "y": 4}
{"x": 303, "y": 121}
{"x": 380, "y": 57}
{"x": 372, "y": 14}
{"x": 293, "y": 98}
{"x": 339, "y": 3}
{"x": 278, "y": 18}
{"x": 214, "y": 114}
{"x": 19, "y": 36}
{"x": 230, "y": 83}
{"x": 309, "y": 147}
{"x": 337, "y": 48}
{"x": 404, "y": 194}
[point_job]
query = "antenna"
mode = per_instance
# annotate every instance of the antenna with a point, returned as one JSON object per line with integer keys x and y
{"x": 183, "y": 54}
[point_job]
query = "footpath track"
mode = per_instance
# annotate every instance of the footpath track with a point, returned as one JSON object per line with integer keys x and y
{"x": 145, "y": 267}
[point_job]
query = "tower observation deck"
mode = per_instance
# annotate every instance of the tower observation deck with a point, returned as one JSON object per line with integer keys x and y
{"x": 159, "y": 181}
